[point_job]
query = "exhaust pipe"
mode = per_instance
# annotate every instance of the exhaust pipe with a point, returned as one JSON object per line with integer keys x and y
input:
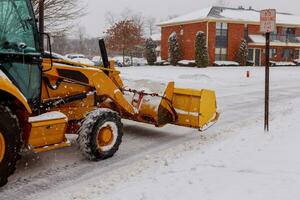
{"x": 103, "y": 52}
{"x": 41, "y": 24}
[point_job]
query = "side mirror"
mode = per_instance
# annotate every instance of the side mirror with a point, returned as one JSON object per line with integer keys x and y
{"x": 48, "y": 47}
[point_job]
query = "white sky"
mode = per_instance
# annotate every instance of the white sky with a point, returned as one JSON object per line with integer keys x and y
{"x": 95, "y": 22}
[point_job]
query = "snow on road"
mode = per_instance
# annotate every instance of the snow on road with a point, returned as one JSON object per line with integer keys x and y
{"x": 234, "y": 159}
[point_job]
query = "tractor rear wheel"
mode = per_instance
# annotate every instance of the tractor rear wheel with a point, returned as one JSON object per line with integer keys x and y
{"x": 100, "y": 134}
{"x": 10, "y": 143}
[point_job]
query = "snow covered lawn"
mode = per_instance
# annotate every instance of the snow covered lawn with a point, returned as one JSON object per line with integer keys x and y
{"x": 235, "y": 159}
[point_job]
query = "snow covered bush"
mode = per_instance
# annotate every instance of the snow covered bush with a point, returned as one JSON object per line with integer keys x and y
{"x": 150, "y": 51}
{"x": 174, "y": 49}
{"x": 201, "y": 52}
{"x": 242, "y": 54}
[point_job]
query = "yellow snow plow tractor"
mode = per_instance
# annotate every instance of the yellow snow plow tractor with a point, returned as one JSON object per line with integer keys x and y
{"x": 43, "y": 98}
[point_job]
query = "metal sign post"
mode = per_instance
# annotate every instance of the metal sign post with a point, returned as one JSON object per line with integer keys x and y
{"x": 267, "y": 82}
{"x": 267, "y": 25}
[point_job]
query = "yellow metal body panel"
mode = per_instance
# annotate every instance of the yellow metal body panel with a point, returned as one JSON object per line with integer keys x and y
{"x": 105, "y": 85}
{"x": 179, "y": 106}
{"x": 195, "y": 108}
{"x": 7, "y": 86}
{"x": 208, "y": 108}
{"x": 49, "y": 132}
{"x": 63, "y": 144}
{"x": 2, "y": 147}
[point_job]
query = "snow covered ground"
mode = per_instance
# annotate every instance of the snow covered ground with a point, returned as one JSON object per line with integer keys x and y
{"x": 235, "y": 159}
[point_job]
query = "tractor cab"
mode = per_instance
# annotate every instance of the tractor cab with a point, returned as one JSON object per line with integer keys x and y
{"x": 20, "y": 55}
{"x": 21, "y": 77}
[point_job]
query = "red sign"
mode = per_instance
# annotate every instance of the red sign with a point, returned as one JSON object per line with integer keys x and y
{"x": 268, "y": 21}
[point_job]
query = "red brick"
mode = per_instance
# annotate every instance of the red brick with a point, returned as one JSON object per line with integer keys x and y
{"x": 235, "y": 36}
{"x": 211, "y": 41}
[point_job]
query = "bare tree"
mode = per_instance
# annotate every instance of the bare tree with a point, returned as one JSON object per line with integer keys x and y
{"x": 125, "y": 15}
{"x": 60, "y": 14}
{"x": 81, "y": 37}
{"x": 124, "y": 36}
{"x": 151, "y": 25}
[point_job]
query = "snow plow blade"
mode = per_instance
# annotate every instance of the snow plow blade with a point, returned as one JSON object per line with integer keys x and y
{"x": 192, "y": 108}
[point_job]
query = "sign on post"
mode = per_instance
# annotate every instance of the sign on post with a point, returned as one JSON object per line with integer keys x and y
{"x": 267, "y": 25}
{"x": 268, "y": 21}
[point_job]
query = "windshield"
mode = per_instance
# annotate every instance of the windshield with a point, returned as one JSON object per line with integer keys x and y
{"x": 18, "y": 31}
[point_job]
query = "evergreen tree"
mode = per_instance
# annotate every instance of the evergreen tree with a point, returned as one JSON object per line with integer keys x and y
{"x": 174, "y": 49}
{"x": 201, "y": 53}
{"x": 242, "y": 54}
{"x": 150, "y": 51}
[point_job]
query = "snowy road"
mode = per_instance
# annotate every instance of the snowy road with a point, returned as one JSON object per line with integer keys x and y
{"x": 65, "y": 174}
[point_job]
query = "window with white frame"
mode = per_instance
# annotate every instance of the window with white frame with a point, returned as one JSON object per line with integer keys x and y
{"x": 221, "y": 54}
{"x": 221, "y": 35}
{"x": 297, "y": 54}
{"x": 273, "y": 53}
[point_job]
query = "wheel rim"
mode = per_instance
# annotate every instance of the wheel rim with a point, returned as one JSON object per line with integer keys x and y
{"x": 107, "y": 136}
{"x": 2, "y": 147}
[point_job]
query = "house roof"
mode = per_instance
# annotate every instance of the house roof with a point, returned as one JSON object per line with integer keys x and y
{"x": 257, "y": 38}
{"x": 230, "y": 14}
{"x": 197, "y": 15}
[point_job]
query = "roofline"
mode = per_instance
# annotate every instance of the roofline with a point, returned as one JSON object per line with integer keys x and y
{"x": 222, "y": 20}
{"x": 274, "y": 44}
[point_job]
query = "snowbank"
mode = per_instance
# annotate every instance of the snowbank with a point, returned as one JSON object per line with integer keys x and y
{"x": 187, "y": 63}
{"x": 226, "y": 63}
{"x": 282, "y": 63}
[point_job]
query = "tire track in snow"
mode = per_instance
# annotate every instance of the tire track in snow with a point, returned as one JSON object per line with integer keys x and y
{"x": 53, "y": 170}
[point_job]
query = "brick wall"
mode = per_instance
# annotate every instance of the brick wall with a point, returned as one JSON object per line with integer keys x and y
{"x": 211, "y": 41}
{"x": 235, "y": 36}
{"x": 253, "y": 29}
{"x": 186, "y": 34}
{"x": 297, "y": 31}
{"x": 188, "y": 39}
{"x": 165, "y": 33}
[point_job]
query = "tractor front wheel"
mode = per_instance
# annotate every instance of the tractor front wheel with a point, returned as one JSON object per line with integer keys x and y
{"x": 100, "y": 134}
{"x": 9, "y": 143}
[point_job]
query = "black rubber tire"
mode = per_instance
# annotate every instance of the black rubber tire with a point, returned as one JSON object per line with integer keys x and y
{"x": 9, "y": 127}
{"x": 87, "y": 134}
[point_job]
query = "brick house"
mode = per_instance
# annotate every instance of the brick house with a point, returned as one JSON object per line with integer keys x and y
{"x": 226, "y": 27}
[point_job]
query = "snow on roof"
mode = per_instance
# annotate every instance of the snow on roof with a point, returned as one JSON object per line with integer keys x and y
{"x": 254, "y": 16}
{"x": 232, "y": 14}
{"x": 257, "y": 38}
{"x": 197, "y": 15}
{"x": 241, "y": 15}
{"x": 156, "y": 37}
